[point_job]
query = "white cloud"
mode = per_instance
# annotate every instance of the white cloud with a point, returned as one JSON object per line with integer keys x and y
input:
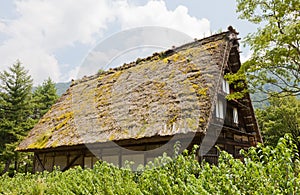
{"x": 39, "y": 63}
{"x": 59, "y": 23}
{"x": 95, "y": 61}
{"x": 2, "y": 26}
{"x": 155, "y": 13}
{"x": 43, "y": 27}
{"x": 128, "y": 45}
{"x": 72, "y": 74}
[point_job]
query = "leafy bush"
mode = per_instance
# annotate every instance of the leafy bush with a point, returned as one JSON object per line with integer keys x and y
{"x": 265, "y": 170}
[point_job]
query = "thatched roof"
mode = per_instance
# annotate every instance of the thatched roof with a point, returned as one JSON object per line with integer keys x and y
{"x": 168, "y": 93}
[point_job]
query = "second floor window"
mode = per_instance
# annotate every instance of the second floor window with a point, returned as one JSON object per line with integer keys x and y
{"x": 220, "y": 109}
{"x": 235, "y": 116}
{"x": 225, "y": 86}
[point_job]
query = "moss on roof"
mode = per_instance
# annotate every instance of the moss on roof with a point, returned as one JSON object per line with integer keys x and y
{"x": 165, "y": 94}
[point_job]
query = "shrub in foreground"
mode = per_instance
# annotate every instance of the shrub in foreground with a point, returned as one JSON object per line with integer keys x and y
{"x": 265, "y": 170}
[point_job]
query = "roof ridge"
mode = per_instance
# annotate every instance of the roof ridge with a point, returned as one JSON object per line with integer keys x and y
{"x": 157, "y": 55}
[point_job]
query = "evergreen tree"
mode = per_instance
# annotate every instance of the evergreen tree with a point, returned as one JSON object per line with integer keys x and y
{"x": 16, "y": 86}
{"x": 44, "y": 97}
{"x": 15, "y": 121}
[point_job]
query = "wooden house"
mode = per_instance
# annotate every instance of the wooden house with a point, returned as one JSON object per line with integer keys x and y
{"x": 138, "y": 110}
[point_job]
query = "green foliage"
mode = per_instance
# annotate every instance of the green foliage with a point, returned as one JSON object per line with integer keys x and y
{"x": 101, "y": 71}
{"x": 276, "y": 54}
{"x": 15, "y": 121}
{"x": 280, "y": 117}
{"x": 15, "y": 89}
{"x": 44, "y": 97}
{"x": 265, "y": 170}
{"x": 20, "y": 109}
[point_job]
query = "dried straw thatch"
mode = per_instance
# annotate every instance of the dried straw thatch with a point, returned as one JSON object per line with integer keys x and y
{"x": 168, "y": 93}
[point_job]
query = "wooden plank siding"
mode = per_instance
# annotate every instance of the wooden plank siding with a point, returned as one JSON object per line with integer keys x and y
{"x": 65, "y": 159}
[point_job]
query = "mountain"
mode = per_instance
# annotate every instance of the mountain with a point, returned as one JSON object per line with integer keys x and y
{"x": 62, "y": 87}
{"x": 259, "y": 100}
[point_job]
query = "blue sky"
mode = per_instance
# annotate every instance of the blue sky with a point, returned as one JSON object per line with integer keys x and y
{"x": 52, "y": 37}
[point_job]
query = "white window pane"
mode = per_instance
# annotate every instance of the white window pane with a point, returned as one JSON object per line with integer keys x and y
{"x": 235, "y": 115}
{"x": 219, "y": 110}
{"x": 225, "y": 86}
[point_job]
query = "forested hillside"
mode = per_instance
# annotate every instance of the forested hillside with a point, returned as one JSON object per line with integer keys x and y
{"x": 61, "y": 88}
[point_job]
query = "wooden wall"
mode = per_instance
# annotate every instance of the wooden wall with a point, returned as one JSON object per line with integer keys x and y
{"x": 228, "y": 140}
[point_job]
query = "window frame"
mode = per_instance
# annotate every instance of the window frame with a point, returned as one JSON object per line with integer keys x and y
{"x": 225, "y": 86}
{"x": 220, "y": 109}
{"x": 235, "y": 115}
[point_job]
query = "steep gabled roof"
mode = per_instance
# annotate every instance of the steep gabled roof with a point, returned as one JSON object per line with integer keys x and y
{"x": 166, "y": 94}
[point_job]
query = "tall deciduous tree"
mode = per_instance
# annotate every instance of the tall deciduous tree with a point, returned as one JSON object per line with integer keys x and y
{"x": 276, "y": 46}
{"x": 280, "y": 117}
{"x": 44, "y": 97}
{"x": 15, "y": 121}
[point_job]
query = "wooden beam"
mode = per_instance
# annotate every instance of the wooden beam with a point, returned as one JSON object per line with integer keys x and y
{"x": 120, "y": 158}
{"x": 39, "y": 161}
{"x": 232, "y": 142}
{"x": 71, "y": 163}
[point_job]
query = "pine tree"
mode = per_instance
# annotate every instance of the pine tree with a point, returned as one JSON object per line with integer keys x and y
{"x": 15, "y": 121}
{"x": 44, "y": 97}
{"x": 16, "y": 86}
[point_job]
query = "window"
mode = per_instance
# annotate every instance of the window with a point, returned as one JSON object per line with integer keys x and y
{"x": 225, "y": 86}
{"x": 219, "y": 109}
{"x": 235, "y": 116}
